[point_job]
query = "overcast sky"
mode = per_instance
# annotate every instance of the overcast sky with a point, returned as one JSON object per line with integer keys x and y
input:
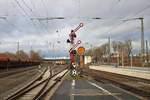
{"x": 42, "y": 35}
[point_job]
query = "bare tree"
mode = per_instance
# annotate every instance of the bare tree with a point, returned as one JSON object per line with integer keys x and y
{"x": 35, "y": 56}
{"x": 11, "y": 56}
{"x": 22, "y": 55}
{"x": 128, "y": 44}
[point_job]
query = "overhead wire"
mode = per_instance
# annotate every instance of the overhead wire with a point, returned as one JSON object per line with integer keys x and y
{"x": 5, "y": 18}
{"x": 17, "y": 2}
{"x": 44, "y": 27}
{"x": 12, "y": 24}
{"x": 24, "y": 11}
{"x": 35, "y": 14}
{"x": 27, "y": 15}
{"x": 30, "y": 10}
{"x": 46, "y": 9}
{"x": 123, "y": 22}
{"x": 145, "y": 8}
{"x": 27, "y": 6}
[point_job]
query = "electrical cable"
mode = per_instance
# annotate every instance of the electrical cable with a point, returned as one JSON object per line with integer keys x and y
{"x": 26, "y": 12}
{"x": 140, "y": 11}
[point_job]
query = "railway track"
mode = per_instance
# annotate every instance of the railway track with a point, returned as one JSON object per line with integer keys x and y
{"x": 40, "y": 86}
{"x": 16, "y": 71}
{"x": 135, "y": 85}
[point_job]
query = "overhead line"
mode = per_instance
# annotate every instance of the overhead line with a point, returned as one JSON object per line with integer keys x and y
{"x": 34, "y": 15}
{"x": 21, "y": 8}
{"x": 44, "y": 5}
{"x": 131, "y": 16}
{"x": 17, "y": 2}
{"x": 27, "y": 5}
{"x": 147, "y": 7}
{"x": 25, "y": 11}
{"x": 1, "y": 17}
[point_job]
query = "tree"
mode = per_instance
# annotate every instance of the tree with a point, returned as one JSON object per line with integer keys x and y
{"x": 98, "y": 53}
{"x": 22, "y": 55}
{"x": 11, "y": 56}
{"x": 125, "y": 47}
{"x": 129, "y": 47}
{"x": 35, "y": 56}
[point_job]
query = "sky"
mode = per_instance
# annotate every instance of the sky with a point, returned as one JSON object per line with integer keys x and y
{"x": 44, "y": 35}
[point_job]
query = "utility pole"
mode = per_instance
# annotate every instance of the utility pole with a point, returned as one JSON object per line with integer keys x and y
{"x": 4, "y": 18}
{"x": 109, "y": 50}
{"x": 131, "y": 60}
{"x": 142, "y": 41}
{"x": 18, "y": 50}
{"x": 50, "y": 67}
{"x": 53, "y": 46}
{"x": 142, "y": 37}
{"x": 147, "y": 53}
{"x": 122, "y": 56}
{"x": 117, "y": 56}
{"x": 31, "y": 49}
{"x": 131, "y": 55}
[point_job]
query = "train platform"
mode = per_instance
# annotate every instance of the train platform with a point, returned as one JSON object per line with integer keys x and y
{"x": 85, "y": 88}
{"x": 134, "y": 71}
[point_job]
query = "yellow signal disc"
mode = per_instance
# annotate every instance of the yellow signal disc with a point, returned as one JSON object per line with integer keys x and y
{"x": 81, "y": 50}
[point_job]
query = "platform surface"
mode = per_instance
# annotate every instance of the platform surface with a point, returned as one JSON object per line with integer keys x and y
{"x": 84, "y": 89}
{"x": 134, "y": 71}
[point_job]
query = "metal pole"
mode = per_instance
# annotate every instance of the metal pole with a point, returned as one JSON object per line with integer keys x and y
{"x": 109, "y": 49}
{"x": 117, "y": 56}
{"x": 142, "y": 38}
{"x": 122, "y": 57}
{"x": 54, "y": 50}
{"x": 131, "y": 61}
{"x": 31, "y": 51}
{"x": 131, "y": 55}
{"x": 142, "y": 41}
{"x": 147, "y": 51}
{"x": 18, "y": 50}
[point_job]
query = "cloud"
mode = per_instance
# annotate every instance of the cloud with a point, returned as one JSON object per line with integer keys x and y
{"x": 19, "y": 27}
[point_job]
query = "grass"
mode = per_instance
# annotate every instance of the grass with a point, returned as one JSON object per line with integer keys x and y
{"x": 77, "y": 77}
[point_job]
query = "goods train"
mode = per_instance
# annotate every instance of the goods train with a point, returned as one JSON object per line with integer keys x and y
{"x": 6, "y": 61}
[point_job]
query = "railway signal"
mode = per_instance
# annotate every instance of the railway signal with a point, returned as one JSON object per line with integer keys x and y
{"x": 72, "y": 35}
{"x": 72, "y": 50}
{"x": 75, "y": 45}
{"x": 81, "y": 50}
